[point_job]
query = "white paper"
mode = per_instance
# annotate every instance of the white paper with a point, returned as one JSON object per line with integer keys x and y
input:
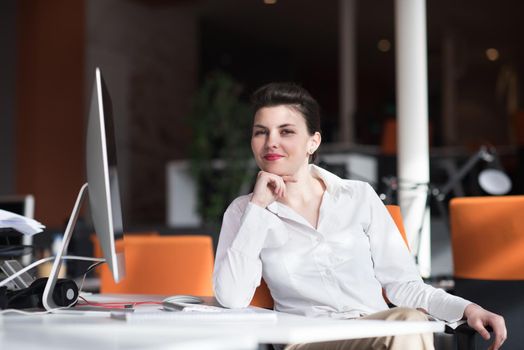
{"x": 26, "y": 226}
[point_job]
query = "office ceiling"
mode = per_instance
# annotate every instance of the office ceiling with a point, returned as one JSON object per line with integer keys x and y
{"x": 299, "y": 40}
{"x": 298, "y": 23}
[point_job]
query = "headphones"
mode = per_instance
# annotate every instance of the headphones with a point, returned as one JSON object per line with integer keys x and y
{"x": 65, "y": 293}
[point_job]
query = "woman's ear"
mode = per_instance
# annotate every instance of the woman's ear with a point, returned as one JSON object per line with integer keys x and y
{"x": 315, "y": 141}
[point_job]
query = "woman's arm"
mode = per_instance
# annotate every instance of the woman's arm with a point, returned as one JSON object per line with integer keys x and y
{"x": 396, "y": 270}
{"x": 238, "y": 268}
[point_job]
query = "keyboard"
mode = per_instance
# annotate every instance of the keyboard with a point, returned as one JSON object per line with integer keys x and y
{"x": 227, "y": 316}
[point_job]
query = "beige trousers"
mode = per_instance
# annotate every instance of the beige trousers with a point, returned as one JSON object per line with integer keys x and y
{"x": 398, "y": 342}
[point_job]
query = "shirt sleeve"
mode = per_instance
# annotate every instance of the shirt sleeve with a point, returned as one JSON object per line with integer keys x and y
{"x": 238, "y": 268}
{"x": 395, "y": 268}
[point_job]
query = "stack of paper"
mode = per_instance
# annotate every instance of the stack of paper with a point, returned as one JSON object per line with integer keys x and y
{"x": 20, "y": 223}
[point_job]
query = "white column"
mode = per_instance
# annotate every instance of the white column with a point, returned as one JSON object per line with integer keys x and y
{"x": 347, "y": 45}
{"x": 412, "y": 106}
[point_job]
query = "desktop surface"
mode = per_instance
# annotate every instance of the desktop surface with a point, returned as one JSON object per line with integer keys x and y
{"x": 99, "y": 330}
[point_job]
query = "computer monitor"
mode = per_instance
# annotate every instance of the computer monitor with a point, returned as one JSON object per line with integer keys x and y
{"x": 102, "y": 176}
{"x": 102, "y": 186}
{"x": 21, "y": 205}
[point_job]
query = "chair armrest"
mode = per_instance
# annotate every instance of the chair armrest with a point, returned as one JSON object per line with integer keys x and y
{"x": 464, "y": 328}
{"x": 465, "y": 336}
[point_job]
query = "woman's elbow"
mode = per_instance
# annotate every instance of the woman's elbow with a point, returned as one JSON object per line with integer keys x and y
{"x": 230, "y": 299}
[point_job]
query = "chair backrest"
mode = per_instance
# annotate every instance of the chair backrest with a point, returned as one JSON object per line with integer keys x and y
{"x": 262, "y": 297}
{"x": 394, "y": 211}
{"x": 164, "y": 265}
{"x": 487, "y": 237}
{"x": 97, "y": 249}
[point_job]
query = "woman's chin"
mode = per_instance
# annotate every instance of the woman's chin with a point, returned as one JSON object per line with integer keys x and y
{"x": 277, "y": 170}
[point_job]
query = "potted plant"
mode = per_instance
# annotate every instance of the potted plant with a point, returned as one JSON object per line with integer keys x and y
{"x": 220, "y": 153}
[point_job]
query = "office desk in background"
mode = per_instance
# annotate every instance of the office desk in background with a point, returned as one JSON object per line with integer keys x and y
{"x": 100, "y": 332}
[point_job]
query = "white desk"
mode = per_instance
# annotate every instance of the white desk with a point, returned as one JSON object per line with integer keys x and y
{"x": 79, "y": 332}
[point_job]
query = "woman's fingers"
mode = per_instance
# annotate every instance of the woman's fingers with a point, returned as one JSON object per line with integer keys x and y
{"x": 281, "y": 186}
{"x": 499, "y": 330}
{"x": 278, "y": 184}
{"x": 268, "y": 188}
{"x": 478, "y": 318}
{"x": 479, "y": 327}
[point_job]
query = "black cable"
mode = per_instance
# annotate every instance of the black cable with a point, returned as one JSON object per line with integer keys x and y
{"x": 15, "y": 247}
{"x": 90, "y": 268}
{"x": 12, "y": 252}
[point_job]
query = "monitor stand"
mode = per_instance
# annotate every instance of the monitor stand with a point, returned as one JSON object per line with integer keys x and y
{"x": 47, "y": 297}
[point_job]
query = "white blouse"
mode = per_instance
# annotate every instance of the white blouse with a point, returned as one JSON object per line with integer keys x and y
{"x": 336, "y": 270}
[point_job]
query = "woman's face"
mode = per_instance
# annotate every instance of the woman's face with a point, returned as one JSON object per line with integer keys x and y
{"x": 280, "y": 141}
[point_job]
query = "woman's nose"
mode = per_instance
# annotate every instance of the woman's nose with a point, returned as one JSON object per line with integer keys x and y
{"x": 272, "y": 140}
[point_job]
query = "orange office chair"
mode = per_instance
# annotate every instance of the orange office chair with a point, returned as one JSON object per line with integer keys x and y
{"x": 262, "y": 297}
{"x": 164, "y": 265}
{"x": 394, "y": 211}
{"x": 487, "y": 238}
{"x": 97, "y": 249}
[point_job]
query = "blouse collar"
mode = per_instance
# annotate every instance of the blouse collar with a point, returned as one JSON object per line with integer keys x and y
{"x": 334, "y": 186}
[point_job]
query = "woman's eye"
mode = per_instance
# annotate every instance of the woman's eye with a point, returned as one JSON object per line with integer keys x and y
{"x": 287, "y": 131}
{"x": 259, "y": 132}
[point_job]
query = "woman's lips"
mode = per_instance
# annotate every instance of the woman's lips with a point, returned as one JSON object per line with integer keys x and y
{"x": 272, "y": 157}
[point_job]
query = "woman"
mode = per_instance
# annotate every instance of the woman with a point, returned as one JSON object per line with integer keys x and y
{"x": 326, "y": 247}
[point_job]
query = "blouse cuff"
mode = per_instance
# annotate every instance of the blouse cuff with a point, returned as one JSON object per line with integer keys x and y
{"x": 454, "y": 310}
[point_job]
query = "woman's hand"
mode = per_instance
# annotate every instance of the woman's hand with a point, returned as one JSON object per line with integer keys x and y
{"x": 269, "y": 187}
{"x": 478, "y": 318}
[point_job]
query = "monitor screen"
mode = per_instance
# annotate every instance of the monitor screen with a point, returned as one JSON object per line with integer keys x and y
{"x": 102, "y": 176}
{"x": 21, "y": 205}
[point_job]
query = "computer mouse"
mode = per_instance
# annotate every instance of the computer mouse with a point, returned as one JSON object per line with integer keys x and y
{"x": 183, "y": 299}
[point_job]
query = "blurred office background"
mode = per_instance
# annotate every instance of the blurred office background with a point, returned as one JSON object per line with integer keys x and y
{"x": 156, "y": 55}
